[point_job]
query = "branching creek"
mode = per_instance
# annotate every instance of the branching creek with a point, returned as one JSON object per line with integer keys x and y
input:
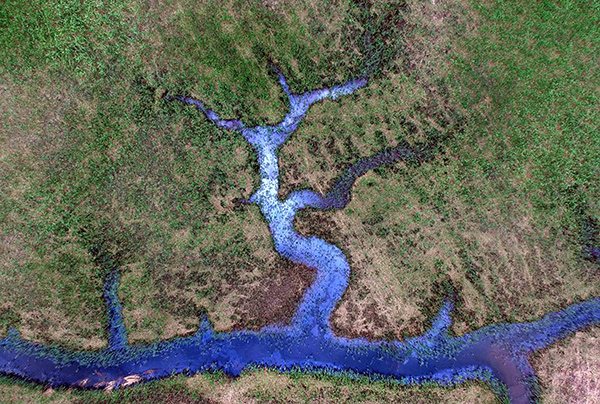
{"x": 496, "y": 354}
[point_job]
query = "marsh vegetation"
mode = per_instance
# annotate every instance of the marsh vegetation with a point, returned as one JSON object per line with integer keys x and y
{"x": 92, "y": 152}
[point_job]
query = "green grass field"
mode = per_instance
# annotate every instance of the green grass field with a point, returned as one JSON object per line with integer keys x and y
{"x": 91, "y": 153}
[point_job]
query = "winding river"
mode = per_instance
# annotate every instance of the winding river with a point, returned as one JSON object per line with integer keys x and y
{"x": 497, "y": 354}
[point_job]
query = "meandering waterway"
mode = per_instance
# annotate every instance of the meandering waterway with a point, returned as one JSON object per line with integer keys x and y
{"x": 497, "y": 354}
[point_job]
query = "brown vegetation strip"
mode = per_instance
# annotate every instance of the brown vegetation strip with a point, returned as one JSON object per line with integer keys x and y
{"x": 278, "y": 301}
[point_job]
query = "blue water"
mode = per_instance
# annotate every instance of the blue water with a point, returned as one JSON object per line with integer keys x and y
{"x": 497, "y": 354}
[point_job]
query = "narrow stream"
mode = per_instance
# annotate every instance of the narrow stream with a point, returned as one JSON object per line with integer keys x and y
{"x": 497, "y": 354}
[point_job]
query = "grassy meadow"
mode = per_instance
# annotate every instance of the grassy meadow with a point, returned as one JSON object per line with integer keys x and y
{"x": 92, "y": 154}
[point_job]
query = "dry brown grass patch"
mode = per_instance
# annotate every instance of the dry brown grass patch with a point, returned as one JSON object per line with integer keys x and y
{"x": 33, "y": 294}
{"x": 262, "y": 386}
{"x": 162, "y": 300}
{"x": 15, "y": 394}
{"x": 568, "y": 371}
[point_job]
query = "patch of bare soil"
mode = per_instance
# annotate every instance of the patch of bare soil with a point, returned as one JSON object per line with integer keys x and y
{"x": 276, "y": 301}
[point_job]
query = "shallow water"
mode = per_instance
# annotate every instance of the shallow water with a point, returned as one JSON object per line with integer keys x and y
{"x": 496, "y": 354}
